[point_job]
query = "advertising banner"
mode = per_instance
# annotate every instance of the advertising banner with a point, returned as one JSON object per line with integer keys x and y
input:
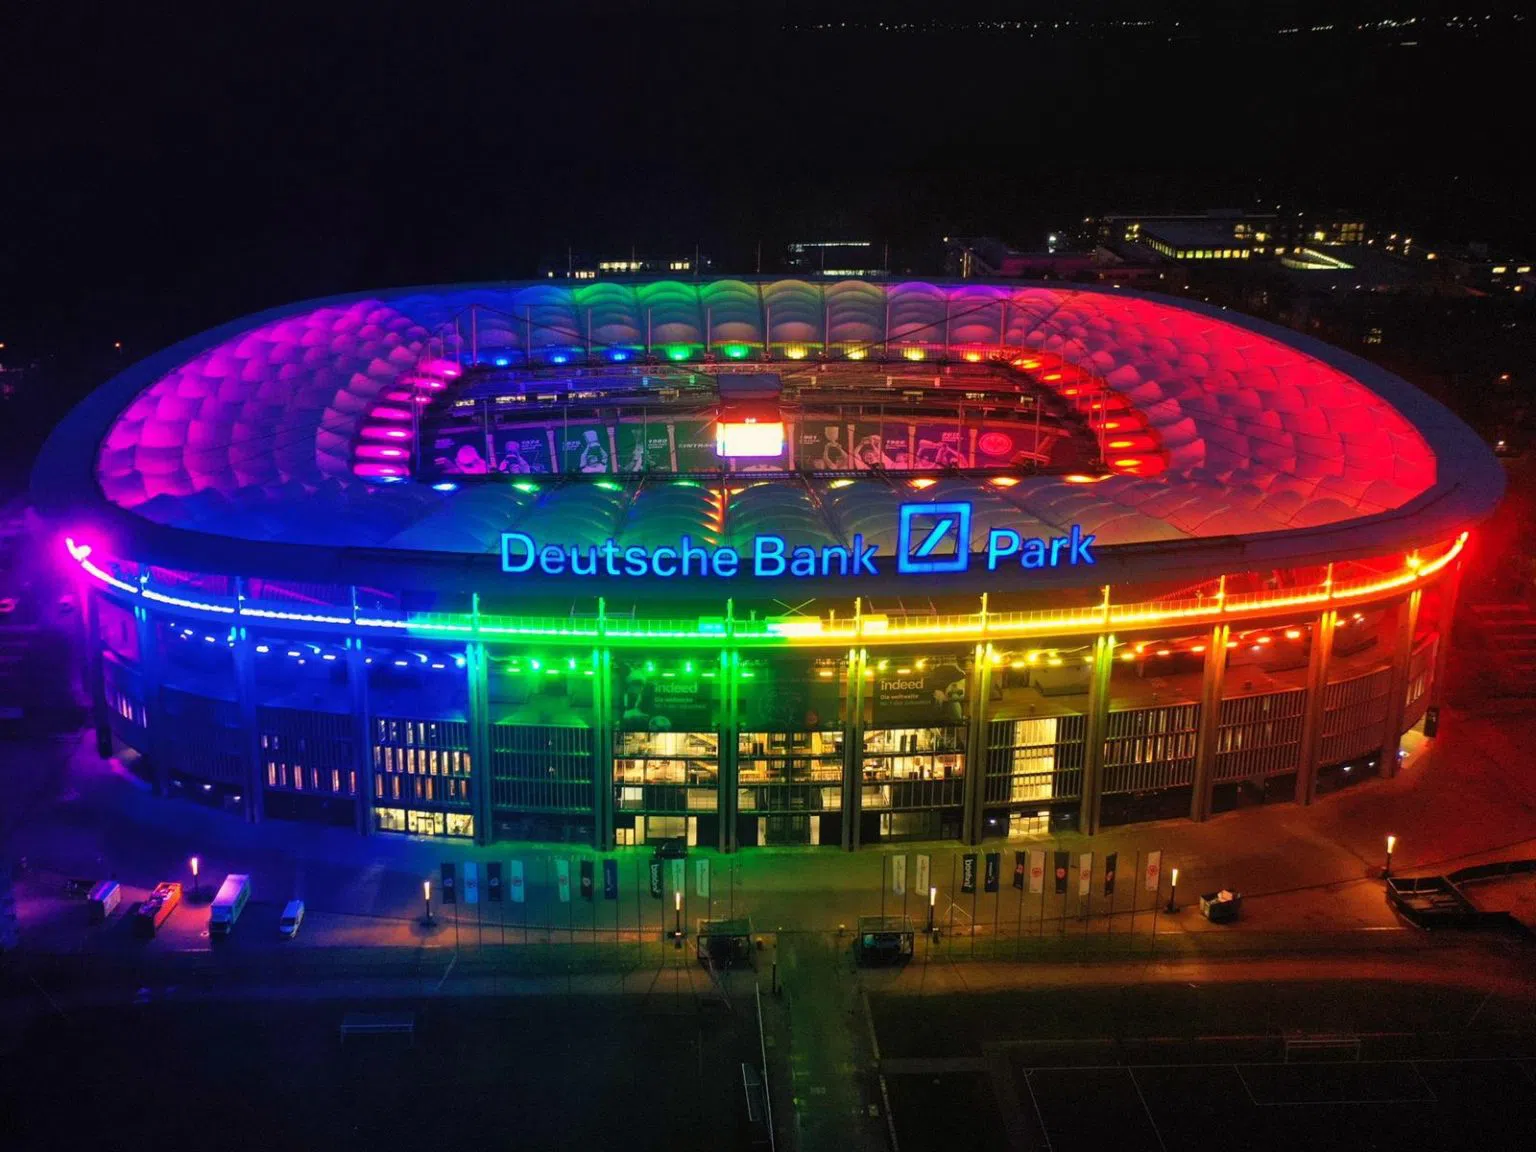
{"x": 585, "y": 447}
{"x": 1062, "y": 860}
{"x": 701, "y": 878}
{"x": 644, "y": 446}
{"x": 670, "y": 698}
{"x": 920, "y": 697}
{"x": 471, "y": 883}
{"x": 790, "y": 695}
{"x": 515, "y": 882}
{"x": 458, "y": 452}
{"x": 563, "y": 879}
{"x": 1152, "y": 872}
{"x": 922, "y": 873}
{"x": 993, "y": 871}
{"x": 1085, "y": 873}
{"x": 696, "y": 444}
{"x": 968, "y": 872}
{"x": 876, "y": 445}
{"x": 450, "y": 888}
{"x": 610, "y": 879}
{"x": 523, "y": 450}
{"x": 1109, "y": 873}
{"x": 677, "y": 877}
{"x": 656, "y": 879}
{"x": 1003, "y": 445}
{"x": 1036, "y": 871}
{"x": 940, "y": 446}
{"x": 586, "y": 880}
{"x": 899, "y": 874}
{"x": 1019, "y": 870}
{"x": 493, "y": 889}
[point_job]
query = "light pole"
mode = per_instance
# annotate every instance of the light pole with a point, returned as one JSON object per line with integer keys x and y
{"x": 933, "y": 898}
{"x": 1173, "y": 892}
{"x": 677, "y": 906}
{"x": 196, "y": 887}
{"x": 1391, "y": 844}
{"x": 426, "y": 895}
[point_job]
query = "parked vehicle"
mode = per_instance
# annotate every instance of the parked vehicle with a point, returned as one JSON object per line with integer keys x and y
{"x": 673, "y": 848}
{"x": 104, "y": 899}
{"x": 157, "y": 908}
{"x": 228, "y": 904}
{"x": 293, "y": 916}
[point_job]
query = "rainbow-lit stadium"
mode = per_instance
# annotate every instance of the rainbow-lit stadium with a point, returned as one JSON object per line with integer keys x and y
{"x": 760, "y": 561}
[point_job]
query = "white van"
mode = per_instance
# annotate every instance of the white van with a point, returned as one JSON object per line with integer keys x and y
{"x": 104, "y": 899}
{"x": 293, "y": 916}
{"x": 229, "y": 903}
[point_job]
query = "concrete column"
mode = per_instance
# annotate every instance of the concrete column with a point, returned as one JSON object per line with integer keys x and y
{"x": 602, "y": 751}
{"x": 1450, "y": 595}
{"x": 255, "y": 766}
{"x": 150, "y": 676}
{"x": 1210, "y": 721}
{"x": 95, "y": 675}
{"x": 1093, "y": 739}
{"x": 1312, "y": 722}
{"x": 979, "y": 689}
{"x": 362, "y": 733}
{"x": 477, "y": 671}
{"x": 853, "y": 749}
{"x": 730, "y": 740}
{"x": 1402, "y": 653}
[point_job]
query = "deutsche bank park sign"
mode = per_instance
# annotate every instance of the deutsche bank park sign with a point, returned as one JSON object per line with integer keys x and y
{"x": 931, "y": 538}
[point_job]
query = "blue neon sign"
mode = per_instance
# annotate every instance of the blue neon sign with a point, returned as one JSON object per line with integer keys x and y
{"x": 931, "y": 538}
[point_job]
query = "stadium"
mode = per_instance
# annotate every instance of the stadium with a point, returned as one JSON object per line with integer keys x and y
{"x": 760, "y": 561}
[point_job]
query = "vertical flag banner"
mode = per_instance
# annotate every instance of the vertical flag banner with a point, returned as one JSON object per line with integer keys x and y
{"x": 586, "y": 880}
{"x": 679, "y": 880}
{"x": 899, "y": 874}
{"x": 471, "y": 883}
{"x": 992, "y": 876}
{"x": 1019, "y": 870}
{"x": 701, "y": 878}
{"x": 493, "y": 889}
{"x": 450, "y": 888}
{"x": 968, "y": 872}
{"x": 1084, "y": 873}
{"x": 922, "y": 873}
{"x": 1036, "y": 871}
{"x": 563, "y": 879}
{"x": 1154, "y": 871}
{"x": 656, "y": 879}
{"x": 1109, "y": 873}
{"x": 515, "y": 882}
{"x": 1061, "y": 873}
{"x": 610, "y": 879}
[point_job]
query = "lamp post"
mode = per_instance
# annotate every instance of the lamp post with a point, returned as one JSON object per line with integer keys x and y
{"x": 196, "y": 887}
{"x": 677, "y": 905}
{"x": 426, "y": 895}
{"x": 933, "y": 898}
{"x": 1173, "y": 892}
{"x": 1391, "y": 844}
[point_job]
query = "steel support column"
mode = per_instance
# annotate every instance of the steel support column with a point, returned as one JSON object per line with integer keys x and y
{"x": 362, "y": 733}
{"x": 95, "y": 673}
{"x": 1093, "y": 739}
{"x": 1450, "y": 594}
{"x": 853, "y": 749}
{"x": 1317, "y": 691}
{"x": 1210, "y": 722}
{"x": 979, "y": 692}
{"x": 602, "y": 751}
{"x": 730, "y": 747}
{"x": 1397, "y": 691}
{"x": 478, "y": 682}
{"x": 255, "y": 762}
{"x": 151, "y": 673}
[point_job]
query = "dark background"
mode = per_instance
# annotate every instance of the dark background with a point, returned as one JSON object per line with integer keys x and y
{"x": 164, "y": 171}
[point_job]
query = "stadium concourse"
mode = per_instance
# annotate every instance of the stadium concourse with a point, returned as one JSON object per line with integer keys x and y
{"x": 760, "y": 561}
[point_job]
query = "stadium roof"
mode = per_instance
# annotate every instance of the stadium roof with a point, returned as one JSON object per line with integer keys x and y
{"x": 246, "y": 432}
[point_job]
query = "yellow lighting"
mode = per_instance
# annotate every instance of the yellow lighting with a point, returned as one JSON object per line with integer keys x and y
{"x": 913, "y": 353}
{"x": 923, "y": 482}
{"x": 840, "y": 483}
{"x": 1127, "y": 655}
{"x": 1391, "y": 844}
{"x": 922, "y": 663}
{"x": 1197, "y": 647}
{"x": 1055, "y": 661}
{"x": 1079, "y": 478}
{"x": 1293, "y": 633}
{"x": 426, "y": 889}
{"x": 1175, "y": 877}
{"x": 1016, "y": 664}
{"x": 1005, "y": 481}
{"x": 824, "y": 673}
{"x": 856, "y": 353}
{"x": 973, "y": 357}
{"x": 795, "y": 352}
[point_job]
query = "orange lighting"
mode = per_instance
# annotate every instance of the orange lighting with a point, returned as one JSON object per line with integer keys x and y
{"x": 1128, "y": 462}
{"x": 923, "y": 482}
{"x": 1127, "y": 655}
{"x": 1231, "y": 643}
{"x": 1052, "y": 377}
{"x": 1293, "y": 633}
{"x": 1197, "y": 647}
{"x": 1079, "y": 478}
{"x": 973, "y": 357}
{"x": 1262, "y": 640}
{"x": 1110, "y": 425}
{"x": 1005, "y": 481}
{"x": 1163, "y": 652}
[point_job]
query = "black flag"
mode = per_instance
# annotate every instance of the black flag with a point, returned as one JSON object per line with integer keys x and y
{"x": 1018, "y": 870}
{"x": 1061, "y": 873}
{"x": 586, "y": 880}
{"x": 610, "y": 879}
{"x": 968, "y": 872}
{"x": 1109, "y": 873}
{"x": 656, "y": 879}
{"x": 994, "y": 867}
{"x": 450, "y": 890}
{"x": 493, "y": 881}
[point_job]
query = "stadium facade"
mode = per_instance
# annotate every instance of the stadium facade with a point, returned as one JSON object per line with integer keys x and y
{"x": 760, "y": 561}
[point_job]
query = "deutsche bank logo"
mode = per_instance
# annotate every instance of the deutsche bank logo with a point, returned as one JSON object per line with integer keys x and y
{"x": 933, "y": 538}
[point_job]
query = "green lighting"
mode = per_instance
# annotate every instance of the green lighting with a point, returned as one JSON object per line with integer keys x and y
{"x": 526, "y": 486}
{"x": 650, "y": 665}
{"x": 535, "y": 665}
{"x": 608, "y": 486}
{"x": 748, "y": 675}
{"x": 677, "y": 352}
{"x": 570, "y": 662}
{"x": 736, "y": 351}
{"x": 687, "y": 665}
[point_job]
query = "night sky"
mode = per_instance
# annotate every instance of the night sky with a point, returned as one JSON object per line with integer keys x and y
{"x": 163, "y": 175}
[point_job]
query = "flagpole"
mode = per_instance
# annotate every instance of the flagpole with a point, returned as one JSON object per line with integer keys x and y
{"x": 1157, "y": 899}
{"x": 1135, "y": 888}
{"x": 974, "y": 888}
{"x": 1042, "y": 896}
{"x": 1018, "y": 931}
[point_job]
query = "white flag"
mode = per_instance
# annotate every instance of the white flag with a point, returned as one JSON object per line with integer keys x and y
{"x": 471, "y": 883}
{"x": 563, "y": 879}
{"x": 1037, "y": 870}
{"x": 1085, "y": 873}
{"x": 899, "y": 874}
{"x": 701, "y": 878}
{"x": 679, "y": 881}
{"x": 1153, "y": 872}
{"x": 515, "y": 882}
{"x": 922, "y": 873}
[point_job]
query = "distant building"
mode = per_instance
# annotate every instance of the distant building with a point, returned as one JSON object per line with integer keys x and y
{"x": 837, "y": 258}
{"x": 986, "y": 257}
{"x": 578, "y": 267}
{"x": 1227, "y": 233}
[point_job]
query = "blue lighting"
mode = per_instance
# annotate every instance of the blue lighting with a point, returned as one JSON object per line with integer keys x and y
{"x": 501, "y": 361}
{"x": 391, "y": 479}
{"x": 262, "y": 648}
{"x": 618, "y": 356}
{"x": 445, "y": 486}
{"x": 458, "y": 661}
{"x": 558, "y": 358}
